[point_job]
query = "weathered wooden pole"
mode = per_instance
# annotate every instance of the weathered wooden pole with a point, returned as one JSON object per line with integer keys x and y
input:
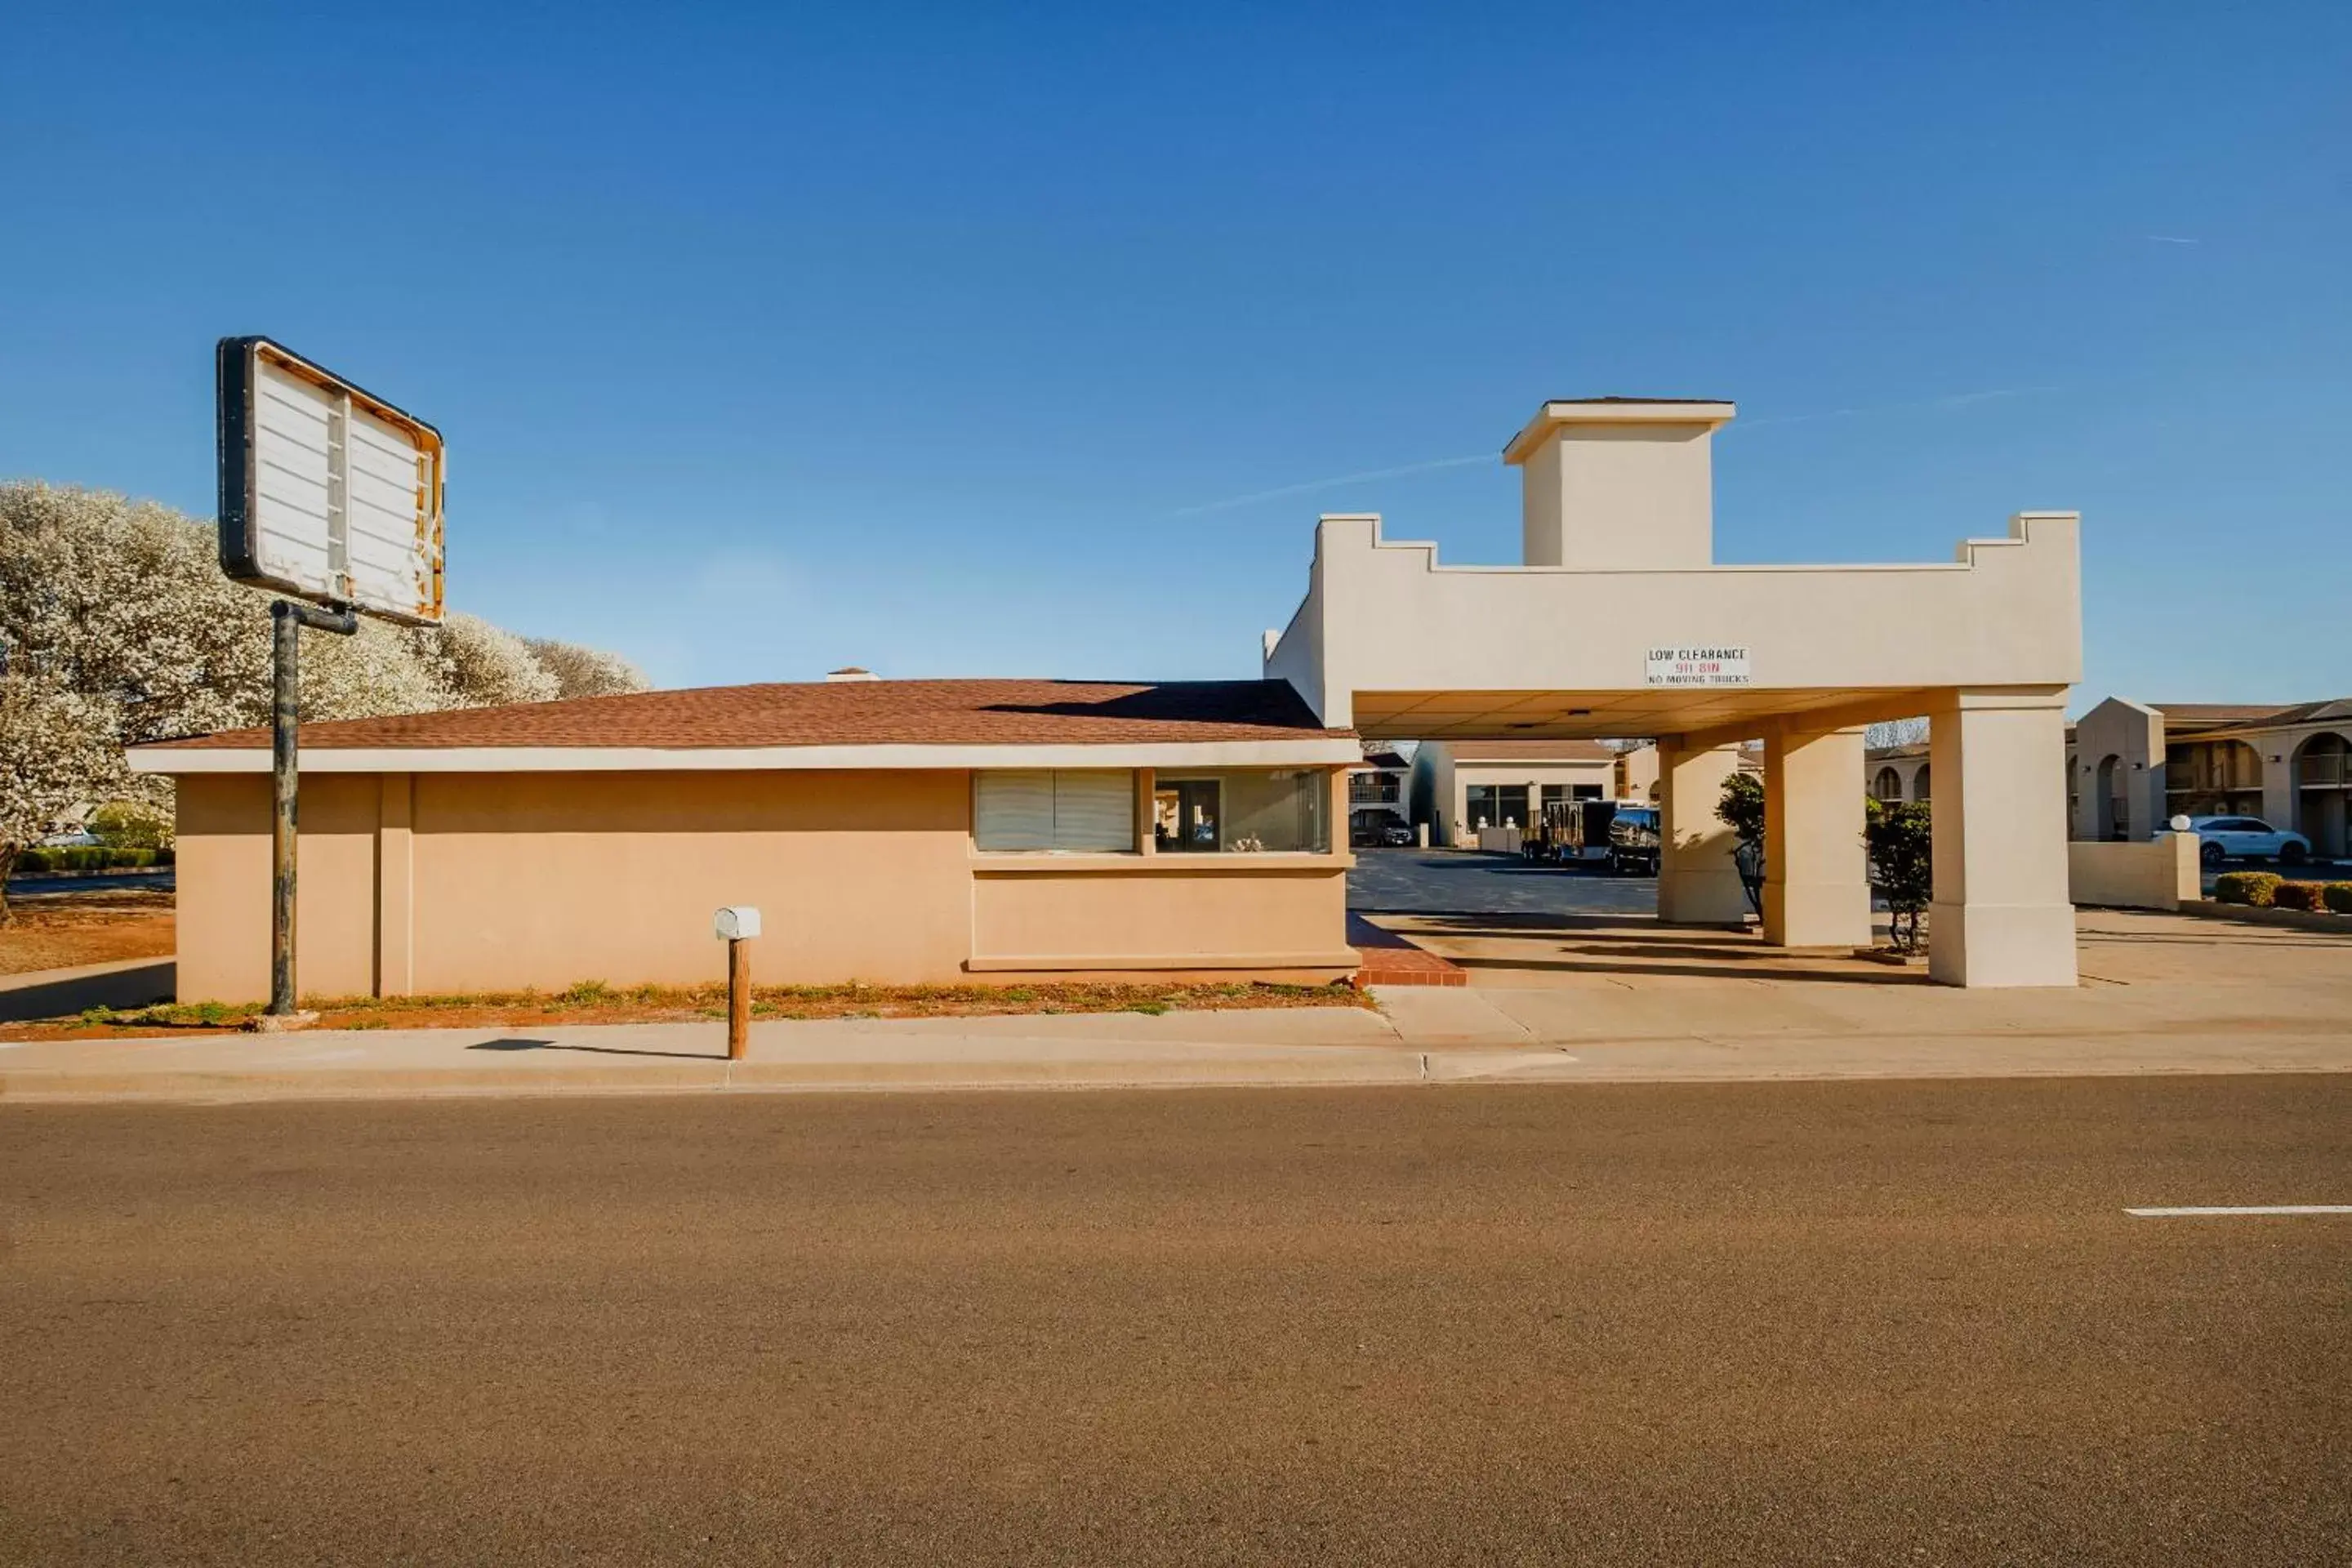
{"x": 735, "y": 926}
{"x": 286, "y": 620}
{"x": 738, "y": 998}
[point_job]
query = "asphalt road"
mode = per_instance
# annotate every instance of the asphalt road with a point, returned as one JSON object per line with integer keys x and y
{"x": 1447, "y": 881}
{"x": 1870, "y": 1323}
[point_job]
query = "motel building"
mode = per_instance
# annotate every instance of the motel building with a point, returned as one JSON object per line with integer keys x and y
{"x": 2131, "y": 767}
{"x": 913, "y": 831}
{"x": 1463, "y": 787}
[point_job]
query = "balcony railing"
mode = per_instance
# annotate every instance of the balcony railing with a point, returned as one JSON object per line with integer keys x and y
{"x": 1372, "y": 789}
{"x": 2322, "y": 771}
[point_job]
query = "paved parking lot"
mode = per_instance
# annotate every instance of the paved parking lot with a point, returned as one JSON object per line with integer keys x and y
{"x": 1445, "y": 881}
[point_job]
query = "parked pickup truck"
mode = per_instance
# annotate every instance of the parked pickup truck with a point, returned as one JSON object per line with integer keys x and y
{"x": 1633, "y": 841}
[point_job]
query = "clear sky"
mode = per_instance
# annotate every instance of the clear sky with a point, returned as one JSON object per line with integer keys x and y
{"x": 953, "y": 342}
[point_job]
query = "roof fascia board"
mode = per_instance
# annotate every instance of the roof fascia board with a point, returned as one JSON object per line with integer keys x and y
{"x": 721, "y": 759}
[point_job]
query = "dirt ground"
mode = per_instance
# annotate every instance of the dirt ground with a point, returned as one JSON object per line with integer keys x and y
{"x": 60, "y": 930}
{"x": 593, "y": 1003}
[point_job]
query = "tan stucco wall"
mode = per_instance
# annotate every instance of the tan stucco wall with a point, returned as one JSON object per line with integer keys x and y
{"x": 441, "y": 882}
{"x": 856, "y": 875}
{"x": 2134, "y": 736}
{"x": 2159, "y": 874}
{"x": 1212, "y": 918}
{"x": 1386, "y": 618}
{"x": 1619, "y": 497}
{"x": 224, "y": 887}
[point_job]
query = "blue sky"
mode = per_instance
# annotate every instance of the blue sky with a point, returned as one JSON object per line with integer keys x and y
{"x": 959, "y": 342}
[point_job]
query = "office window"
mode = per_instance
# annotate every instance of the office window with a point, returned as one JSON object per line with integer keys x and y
{"x": 1054, "y": 811}
{"x": 1493, "y": 805}
{"x": 1238, "y": 811}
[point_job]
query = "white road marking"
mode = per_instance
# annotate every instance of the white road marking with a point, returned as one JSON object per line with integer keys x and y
{"x": 2241, "y": 1208}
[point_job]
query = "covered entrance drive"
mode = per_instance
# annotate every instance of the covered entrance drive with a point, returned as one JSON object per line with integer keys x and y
{"x": 1618, "y": 624}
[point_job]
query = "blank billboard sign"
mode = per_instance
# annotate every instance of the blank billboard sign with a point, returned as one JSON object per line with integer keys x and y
{"x": 327, "y": 493}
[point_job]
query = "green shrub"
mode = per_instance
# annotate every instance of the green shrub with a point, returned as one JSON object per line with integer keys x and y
{"x": 2295, "y": 896}
{"x": 2251, "y": 889}
{"x": 1902, "y": 843}
{"x": 89, "y": 858}
{"x": 130, "y": 825}
{"x": 2337, "y": 896}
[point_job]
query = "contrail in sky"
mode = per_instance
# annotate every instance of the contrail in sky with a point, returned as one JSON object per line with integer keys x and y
{"x": 1334, "y": 482}
{"x": 1952, "y": 400}
{"x": 1308, "y": 486}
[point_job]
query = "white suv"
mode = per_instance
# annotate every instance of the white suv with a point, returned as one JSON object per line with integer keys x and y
{"x": 2239, "y": 837}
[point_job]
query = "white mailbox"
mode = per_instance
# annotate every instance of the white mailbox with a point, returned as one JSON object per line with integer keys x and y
{"x": 736, "y": 922}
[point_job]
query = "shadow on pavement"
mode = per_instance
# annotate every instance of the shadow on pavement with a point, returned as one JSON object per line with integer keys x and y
{"x": 139, "y": 986}
{"x": 1890, "y": 976}
{"x": 520, "y": 1045}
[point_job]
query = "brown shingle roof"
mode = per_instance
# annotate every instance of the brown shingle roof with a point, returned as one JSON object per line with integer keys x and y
{"x": 848, "y": 714}
{"x": 2189, "y": 716}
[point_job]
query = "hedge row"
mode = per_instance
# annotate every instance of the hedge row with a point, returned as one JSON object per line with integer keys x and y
{"x": 2269, "y": 891}
{"x": 2336, "y": 896}
{"x": 89, "y": 858}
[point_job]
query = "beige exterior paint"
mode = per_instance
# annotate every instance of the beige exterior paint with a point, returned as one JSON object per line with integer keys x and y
{"x": 1698, "y": 880}
{"x": 1582, "y": 464}
{"x": 1618, "y": 562}
{"x": 432, "y": 883}
{"x": 1816, "y": 882}
{"x": 1999, "y": 914}
{"x": 2162, "y": 874}
{"x": 2120, "y": 745}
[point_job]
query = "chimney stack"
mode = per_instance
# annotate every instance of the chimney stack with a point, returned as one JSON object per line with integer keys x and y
{"x": 1619, "y": 483}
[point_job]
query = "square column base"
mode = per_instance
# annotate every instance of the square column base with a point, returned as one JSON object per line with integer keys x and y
{"x": 1985, "y": 945}
{"x": 1817, "y": 914}
{"x": 1707, "y": 894}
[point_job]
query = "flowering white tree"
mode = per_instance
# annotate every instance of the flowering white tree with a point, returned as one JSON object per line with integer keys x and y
{"x": 1895, "y": 732}
{"x": 586, "y": 671}
{"x": 121, "y": 603}
{"x": 479, "y": 665}
{"x": 57, "y": 750}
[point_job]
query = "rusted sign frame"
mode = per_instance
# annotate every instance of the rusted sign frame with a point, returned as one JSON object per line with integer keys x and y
{"x": 239, "y": 527}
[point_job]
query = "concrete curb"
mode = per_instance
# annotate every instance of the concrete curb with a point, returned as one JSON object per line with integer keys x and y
{"x": 1331, "y": 1066}
{"x": 2298, "y": 920}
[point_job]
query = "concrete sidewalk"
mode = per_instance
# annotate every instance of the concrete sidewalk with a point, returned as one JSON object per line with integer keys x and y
{"x": 1424, "y": 1034}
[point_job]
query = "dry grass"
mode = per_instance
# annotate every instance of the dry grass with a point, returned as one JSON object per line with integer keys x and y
{"x": 57, "y": 930}
{"x": 594, "y": 1002}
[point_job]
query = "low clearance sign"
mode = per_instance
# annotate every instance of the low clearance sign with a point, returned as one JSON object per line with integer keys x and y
{"x": 1699, "y": 666}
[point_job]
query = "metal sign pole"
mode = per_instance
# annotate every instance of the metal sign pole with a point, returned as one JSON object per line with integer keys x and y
{"x": 286, "y": 620}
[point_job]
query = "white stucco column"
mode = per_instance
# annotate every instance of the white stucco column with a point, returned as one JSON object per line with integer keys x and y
{"x": 2000, "y": 915}
{"x": 1699, "y": 882}
{"x": 1816, "y": 875}
{"x": 2278, "y": 780}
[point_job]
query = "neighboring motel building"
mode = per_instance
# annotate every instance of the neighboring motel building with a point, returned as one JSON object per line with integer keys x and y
{"x": 1894, "y": 775}
{"x": 1461, "y": 787}
{"x": 940, "y": 830}
{"x": 1377, "y": 790}
{"x": 2131, "y": 767}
